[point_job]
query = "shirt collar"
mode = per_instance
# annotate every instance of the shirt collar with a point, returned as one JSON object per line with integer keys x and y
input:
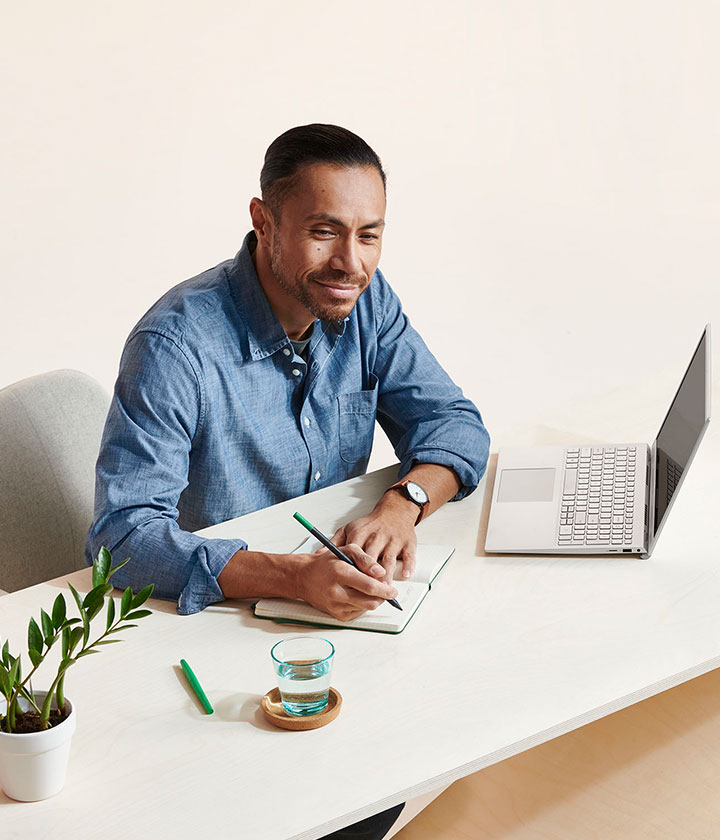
{"x": 265, "y": 334}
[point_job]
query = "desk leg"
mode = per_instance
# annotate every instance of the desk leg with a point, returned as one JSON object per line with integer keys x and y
{"x": 412, "y": 809}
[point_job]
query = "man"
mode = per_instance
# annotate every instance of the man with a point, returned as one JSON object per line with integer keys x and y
{"x": 261, "y": 380}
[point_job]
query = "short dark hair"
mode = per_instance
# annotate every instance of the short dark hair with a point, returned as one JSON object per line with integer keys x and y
{"x": 305, "y": 145}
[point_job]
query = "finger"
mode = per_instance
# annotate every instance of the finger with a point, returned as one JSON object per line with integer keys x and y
{"x": 409, "y": 562}
{"x": 389, "y": 561}
{"x": 355, "y": 579}
{"x": 338, "y": 538}
{"x": 372, "y": 544}
{"x": 365, "y": 562}
{"x": 361, "y": 602}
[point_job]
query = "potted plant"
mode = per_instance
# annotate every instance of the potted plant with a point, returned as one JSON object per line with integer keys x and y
{"x": 36, "y": 727}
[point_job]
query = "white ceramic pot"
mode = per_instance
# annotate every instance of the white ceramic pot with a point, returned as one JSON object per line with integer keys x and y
{"x": 33, "y": 765}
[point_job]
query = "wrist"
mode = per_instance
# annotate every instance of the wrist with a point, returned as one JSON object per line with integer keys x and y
{"x": 397, "y": 505}
{"x": 297, "y": 575}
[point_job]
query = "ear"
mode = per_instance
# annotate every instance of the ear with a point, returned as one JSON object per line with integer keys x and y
{"x": 262, "y": 221}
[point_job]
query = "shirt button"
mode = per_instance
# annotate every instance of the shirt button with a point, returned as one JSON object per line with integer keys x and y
{"x": 307, "y": 421}
{"x": 317, "y": 475}
{"x": 296, "y": 372}
{"x": 286, "y": 351}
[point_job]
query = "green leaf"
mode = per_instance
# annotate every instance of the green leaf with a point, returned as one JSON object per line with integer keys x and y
{"x": 59, "y": 611}
{"x": 142, "y": 596}
{"x": 86, "y": 653}
{"x": 65, "y": 664}
{"x": 76, "y": 596}
{"x": 126, "y": 602}
{"x": 94, "y": 611}
{"x": 14, "y": 672}
{"x": 85, "y": 628}
{"x": 118, "y": 567}
{"x": 47, "y": 627}
{"x": 96, "y": 595}
{"x": 120, "y": 629}
{"x": 6, "y": 653}
{"x": 35, "y": 657}
{"x": 70, "y": 621}
{"x": 35, "y": 637}
{"x": 101, "y": 567}
{"x": 94, "y": 600}
{"x": 137, "y": 614}
{"x": 110, "y": 613}
{"x": 109, "y": 642}
{"x": 5, "y": 686}
{"x": 75, "y": 635}
{"x": 65, "y": 641}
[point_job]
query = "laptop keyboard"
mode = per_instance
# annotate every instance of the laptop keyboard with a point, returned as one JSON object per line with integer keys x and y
{"x": 674, "y": 472}
{"x": 598, "y": 496}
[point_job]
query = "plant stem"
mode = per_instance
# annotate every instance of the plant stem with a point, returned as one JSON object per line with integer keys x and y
{"x": 60, "y": 694}
{"x": 28, "y": 695}
{"x": 45, "y": 713}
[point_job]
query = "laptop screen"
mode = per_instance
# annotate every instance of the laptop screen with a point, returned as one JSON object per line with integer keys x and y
{"x": 681, "y": 430}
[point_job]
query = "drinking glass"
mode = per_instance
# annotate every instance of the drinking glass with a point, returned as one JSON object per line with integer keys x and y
{"x": 303, "y": 665}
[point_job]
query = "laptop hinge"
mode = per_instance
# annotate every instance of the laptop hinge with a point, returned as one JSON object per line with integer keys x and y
{"x": 650, "y": 498}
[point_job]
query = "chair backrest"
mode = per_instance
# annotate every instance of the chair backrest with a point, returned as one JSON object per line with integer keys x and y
{"x": 50, "y": 430}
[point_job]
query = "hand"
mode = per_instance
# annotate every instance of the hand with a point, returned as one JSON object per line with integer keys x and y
{"x": 335, "y": 587}
{"x": 386, "y": 535}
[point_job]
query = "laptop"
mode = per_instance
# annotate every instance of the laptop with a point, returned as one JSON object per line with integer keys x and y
{"x": 600, "y": 499}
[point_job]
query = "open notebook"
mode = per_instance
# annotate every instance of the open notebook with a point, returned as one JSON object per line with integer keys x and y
{"x": 385, "y": 619}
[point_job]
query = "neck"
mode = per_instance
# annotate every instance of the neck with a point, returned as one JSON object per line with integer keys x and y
{"x": 295, "y": 319}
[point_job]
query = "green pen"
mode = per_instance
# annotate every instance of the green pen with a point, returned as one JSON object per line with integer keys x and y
{"x": 335, "y": 550}
{"x": 196, "y": 687}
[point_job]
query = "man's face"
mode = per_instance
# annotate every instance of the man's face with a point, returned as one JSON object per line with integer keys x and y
{"x": 326, "y": 245}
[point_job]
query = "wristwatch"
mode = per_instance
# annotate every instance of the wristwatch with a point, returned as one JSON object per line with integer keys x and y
{"x": 413, "y": 491}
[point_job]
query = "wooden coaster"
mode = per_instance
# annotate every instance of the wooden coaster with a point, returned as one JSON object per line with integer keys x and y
{"x": 275, "y": 712}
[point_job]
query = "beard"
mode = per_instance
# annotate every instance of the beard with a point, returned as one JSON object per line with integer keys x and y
{"x": 301, "y": 291}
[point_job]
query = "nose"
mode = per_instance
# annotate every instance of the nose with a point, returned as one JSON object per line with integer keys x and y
{"x": 346, "y": 256}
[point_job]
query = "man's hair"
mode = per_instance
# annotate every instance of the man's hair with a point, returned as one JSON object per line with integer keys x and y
{"x": 305, "y": 145}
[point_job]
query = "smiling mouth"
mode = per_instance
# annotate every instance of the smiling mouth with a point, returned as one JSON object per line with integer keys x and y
{"x": 336, "y": 285}
{"x": 339, "y": 290}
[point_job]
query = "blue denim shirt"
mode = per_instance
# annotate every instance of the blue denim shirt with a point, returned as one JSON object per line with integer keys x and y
{"x": 214, "y": 415}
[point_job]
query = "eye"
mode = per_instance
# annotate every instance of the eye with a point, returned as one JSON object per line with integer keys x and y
{"x": 369, "y": 237}
{"x": 322, "y": 232}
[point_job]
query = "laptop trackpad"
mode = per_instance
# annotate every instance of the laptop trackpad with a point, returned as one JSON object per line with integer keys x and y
{"x": 534, "y": 485}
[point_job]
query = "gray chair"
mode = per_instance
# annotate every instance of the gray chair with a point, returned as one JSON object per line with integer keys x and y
{"x": 50, "y": 430}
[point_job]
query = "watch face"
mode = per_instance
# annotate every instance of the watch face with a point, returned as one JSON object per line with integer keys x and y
{"x": 416, "y": 493}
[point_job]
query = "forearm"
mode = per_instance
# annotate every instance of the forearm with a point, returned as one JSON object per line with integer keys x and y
{"x": 257, "y": 574}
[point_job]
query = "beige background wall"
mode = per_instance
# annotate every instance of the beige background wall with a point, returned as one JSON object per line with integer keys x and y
{"x": 553, "y": 176}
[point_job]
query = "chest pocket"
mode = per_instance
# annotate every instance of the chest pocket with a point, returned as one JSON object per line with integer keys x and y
{"x": 357, "y": 422}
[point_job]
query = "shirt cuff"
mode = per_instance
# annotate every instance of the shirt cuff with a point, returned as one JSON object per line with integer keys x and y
{"x": 202, "y": 588}
{"x": 468, "y": 474}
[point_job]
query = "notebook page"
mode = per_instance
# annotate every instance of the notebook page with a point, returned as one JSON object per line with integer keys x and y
{"x": 410, "y": 594}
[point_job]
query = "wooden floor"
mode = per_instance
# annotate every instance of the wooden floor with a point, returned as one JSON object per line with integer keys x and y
{"x": 649, "y": 771}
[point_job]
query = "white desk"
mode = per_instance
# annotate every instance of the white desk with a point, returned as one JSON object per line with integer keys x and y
{"x": 504, "y": 654}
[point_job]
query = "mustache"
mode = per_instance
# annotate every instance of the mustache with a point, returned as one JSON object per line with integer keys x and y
{"x": 339, "y": 278}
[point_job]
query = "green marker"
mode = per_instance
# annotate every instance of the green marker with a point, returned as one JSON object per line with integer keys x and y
{"x": 196, "y": 687}
{"x": 335, "y": 550}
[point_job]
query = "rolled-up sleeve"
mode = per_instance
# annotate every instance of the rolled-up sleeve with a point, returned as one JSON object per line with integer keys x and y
{"x": 142, "y": 469}
{"x": 423, "y": 412}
